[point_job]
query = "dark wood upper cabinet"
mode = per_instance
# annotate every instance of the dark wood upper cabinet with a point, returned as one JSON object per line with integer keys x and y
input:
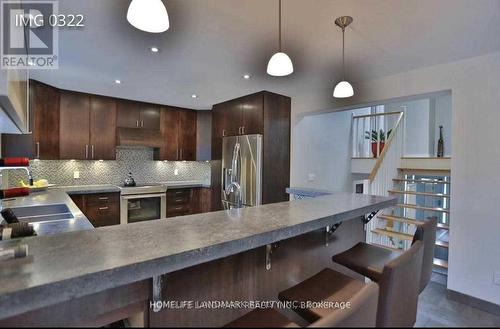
{"x": 44, "y": 113}
{"x": 187, "y": 135}
{"x": 178, "y": 128}
{"x": 170, "y": 132}
{"x": 128, "y": 114}
{"x": 74, "y": 136}
{"x": 150, "y": 117}
{"x": 132, "y": 114}
{"x": 102, "y": 128}
{"x": 252, "y": 114}
{"x": 88, "y": 127}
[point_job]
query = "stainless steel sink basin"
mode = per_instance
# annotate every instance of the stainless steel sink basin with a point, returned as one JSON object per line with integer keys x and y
{"x": 45, "y": 213}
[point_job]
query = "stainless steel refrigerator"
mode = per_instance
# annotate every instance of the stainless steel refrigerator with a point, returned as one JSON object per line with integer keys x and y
{"x": 241, "y": 171}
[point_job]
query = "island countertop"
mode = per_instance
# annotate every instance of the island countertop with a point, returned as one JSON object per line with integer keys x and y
{"x": 77, "y": 264}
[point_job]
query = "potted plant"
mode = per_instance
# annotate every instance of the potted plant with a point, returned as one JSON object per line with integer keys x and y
{"x": 377, "y": 137}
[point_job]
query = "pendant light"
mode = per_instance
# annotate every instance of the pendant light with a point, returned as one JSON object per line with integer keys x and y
{"x": 148, "y": 15}
{"x": 280, "y": 64}
{"x": 343, "y": 89}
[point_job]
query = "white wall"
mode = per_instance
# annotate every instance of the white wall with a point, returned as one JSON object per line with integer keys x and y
{"x": 475, "y": 227}
{"x": 323, "y": 150}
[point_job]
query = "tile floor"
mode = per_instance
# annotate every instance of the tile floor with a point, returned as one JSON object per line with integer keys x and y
{"x": 435, "y": 310}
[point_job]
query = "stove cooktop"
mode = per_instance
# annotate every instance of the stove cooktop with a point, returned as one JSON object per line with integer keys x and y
{"x": 143, "y": 189}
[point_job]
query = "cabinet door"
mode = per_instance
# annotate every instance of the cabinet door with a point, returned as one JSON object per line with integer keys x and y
{"x": 252, "y": 109}
{"x": 150, "y": 117}
{"x": 170, "y": 133}
{"x": 44, "y": 110}
{"x": 218, "y": 129}
{"x": 74, "y": 126}
{"x": 187, "y": 135}
{"x": 128, "y": 114}
{"x": 233, "y": 121}
{"x": 102, "y": 128}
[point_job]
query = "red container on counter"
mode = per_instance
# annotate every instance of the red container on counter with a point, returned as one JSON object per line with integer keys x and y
{"x": 14, "y": 192}
{"x": 14, "y": 162}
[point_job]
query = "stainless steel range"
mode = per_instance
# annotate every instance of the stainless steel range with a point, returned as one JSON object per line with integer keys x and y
{"x": 143, "y": 202}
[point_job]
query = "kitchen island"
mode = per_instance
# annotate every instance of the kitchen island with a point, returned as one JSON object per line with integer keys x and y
{"x": 98, "y": 276}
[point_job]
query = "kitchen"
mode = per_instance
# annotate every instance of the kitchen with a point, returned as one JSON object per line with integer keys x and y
{"x": 173, "y": 163}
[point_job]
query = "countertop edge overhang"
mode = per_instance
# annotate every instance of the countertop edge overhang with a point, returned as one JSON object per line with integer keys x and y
{"x": 52, "y": 289}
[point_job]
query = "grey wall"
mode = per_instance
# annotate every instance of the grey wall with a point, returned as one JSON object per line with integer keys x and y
{"x": 139, "y": 161}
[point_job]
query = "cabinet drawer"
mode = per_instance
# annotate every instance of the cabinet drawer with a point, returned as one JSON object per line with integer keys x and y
{"x": 102, "y": 199}
{"x": 177, "y": 210}
{"x": 103, "y": 215}
{"x": 178, "y": 193}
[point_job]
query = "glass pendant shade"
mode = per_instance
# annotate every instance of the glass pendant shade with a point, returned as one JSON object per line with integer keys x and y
{"x": 343, "y": 89}
{"x": 280, "y": 65}
{"x": 148, "y": 15}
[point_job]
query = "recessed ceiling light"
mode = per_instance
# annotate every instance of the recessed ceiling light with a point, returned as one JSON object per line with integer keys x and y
{"x": 246, "y": 76}
{"x": 194, "y": 96}
{"x": 118, "y": 81}
{"x": 154, "y": 49}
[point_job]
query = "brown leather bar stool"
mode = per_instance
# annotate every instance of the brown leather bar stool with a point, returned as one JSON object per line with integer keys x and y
{"x": 361, "y": 313}
{"x": 398, "y": 298}
{"x": 369, "y": 260}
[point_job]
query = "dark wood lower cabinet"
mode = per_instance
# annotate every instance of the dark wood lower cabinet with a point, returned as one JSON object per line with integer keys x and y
{"x": 102, "y": 209}
{"x": 188, "y": 201}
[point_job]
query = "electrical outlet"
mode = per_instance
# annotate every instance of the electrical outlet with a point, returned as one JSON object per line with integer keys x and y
{"x": 496, "y": 277}
{"x": 76, "y": 174}
{"x": 176, "y": 171}
{"x": 311, "y": 177}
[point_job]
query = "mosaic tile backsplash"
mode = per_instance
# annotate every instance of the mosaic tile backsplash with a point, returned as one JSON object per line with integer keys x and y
{"x": 137, "y": 160}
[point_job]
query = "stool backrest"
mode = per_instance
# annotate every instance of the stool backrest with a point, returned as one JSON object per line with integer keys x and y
{"x": 399, "y": 289}
{"x": 426, "y": 233}
{"x": 361, "y": 313}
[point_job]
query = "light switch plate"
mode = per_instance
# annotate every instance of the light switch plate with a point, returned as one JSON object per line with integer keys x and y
{"x": 496, "y": 278}
{"x": 76, "y": 174}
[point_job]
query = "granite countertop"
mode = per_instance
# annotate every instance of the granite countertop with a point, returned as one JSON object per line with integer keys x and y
{"x": 307, "y": 191}
{"x": 75, "y": 264}
{"x": 87, "y": 189}
{"x": 185, "y": 184}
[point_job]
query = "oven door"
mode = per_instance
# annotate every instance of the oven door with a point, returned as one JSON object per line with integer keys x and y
{"x": 143, "y": 207}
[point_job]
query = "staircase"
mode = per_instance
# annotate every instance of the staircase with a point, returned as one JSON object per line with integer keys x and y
{"x": 422, "y": 185}
{"x": 422, "y": 194}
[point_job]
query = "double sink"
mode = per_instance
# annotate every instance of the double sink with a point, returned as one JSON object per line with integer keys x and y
{"x": 43, "y": 213}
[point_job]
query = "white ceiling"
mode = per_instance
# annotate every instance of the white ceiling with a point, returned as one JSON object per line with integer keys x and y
{"x": 212, "y": 43}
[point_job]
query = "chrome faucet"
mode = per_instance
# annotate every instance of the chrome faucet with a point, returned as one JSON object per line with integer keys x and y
{"x": 27, "y": 169}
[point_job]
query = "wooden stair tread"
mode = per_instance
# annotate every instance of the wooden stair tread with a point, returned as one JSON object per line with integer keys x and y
{"x": 394, "y": 234}
{"x": 425, "y": 181}
{"x": 412, "y": 206}
{"x": 440, "y": 195}
{"x": 442, "y": 244}
{"x": 440, "y": 263}
{"x": 400, "y": 219}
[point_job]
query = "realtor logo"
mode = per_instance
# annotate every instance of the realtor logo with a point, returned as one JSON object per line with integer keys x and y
{"x": 28, "y": 38}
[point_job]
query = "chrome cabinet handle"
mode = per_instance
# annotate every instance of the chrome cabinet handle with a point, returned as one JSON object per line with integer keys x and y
{"x": 38, "y": 150}
{"x": 92, "y": 151}
{"x": 223, "y": 132}
{"x": 103, "y": 208}
{"x": 142, "y": 123}
{"x": 86, "y": 151}
{"x": 103, "y": 198}
{"x": 137, "y": 123}
{"x": 243, "y": 130}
